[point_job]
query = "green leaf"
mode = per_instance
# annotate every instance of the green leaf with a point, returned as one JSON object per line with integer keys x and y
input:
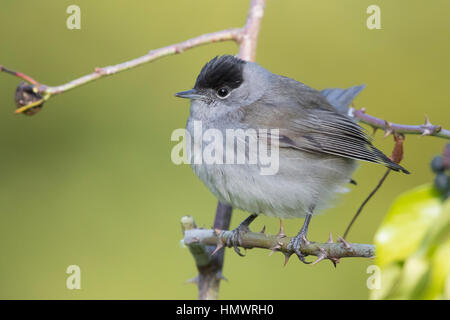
{"x": 406, "y": 223}
{"x": 413, "y": 241}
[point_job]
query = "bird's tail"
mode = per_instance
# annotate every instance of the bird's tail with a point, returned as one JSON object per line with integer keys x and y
{"x": 383, "y": 159}
{"x": 340, "y": 99}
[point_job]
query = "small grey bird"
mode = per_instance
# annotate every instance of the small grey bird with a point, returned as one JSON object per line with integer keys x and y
{"x": 318, "y": 142}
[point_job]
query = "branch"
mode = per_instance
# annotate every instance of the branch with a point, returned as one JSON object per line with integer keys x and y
{"x": 19, "y": 75}
{"x": 397, "y": 157}
{"x": 48, "y": 91}
{"x": 225, "y": 35}
{"x": 209, "y": 266}
{"x": 426, "y": 129}
{"x": 246, "y": 37}
{"x": 251, "y": 29}
{"x": 331, "y": 250}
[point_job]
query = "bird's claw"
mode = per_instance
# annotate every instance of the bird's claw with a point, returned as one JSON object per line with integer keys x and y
{"x": 295, "y": 245}
{"x": 235, "y": 239}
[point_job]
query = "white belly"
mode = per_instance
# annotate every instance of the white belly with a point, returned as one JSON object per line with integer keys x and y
{"x": 300, "y": 184}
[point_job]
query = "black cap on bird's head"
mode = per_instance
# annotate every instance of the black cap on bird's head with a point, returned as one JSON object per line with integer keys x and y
{"x": 221, "y": 72}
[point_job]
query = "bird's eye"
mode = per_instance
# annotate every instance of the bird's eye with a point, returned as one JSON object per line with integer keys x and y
{"x": 223, "y": 93}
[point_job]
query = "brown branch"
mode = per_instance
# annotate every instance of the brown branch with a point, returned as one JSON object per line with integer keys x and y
{"x": 397, "y": 157}
{"x": 246, "y": 37}
{"x": 426, "y": 129}
{"x": 251, "y": 29}
{"x": 330, "y": 250}
{"x": 19, "y": 75}
{"x": 209, "y": 266}
{"x": 49, "y": 91}
{"x": 225, "y": 35}
{"x": 361, "y": 207}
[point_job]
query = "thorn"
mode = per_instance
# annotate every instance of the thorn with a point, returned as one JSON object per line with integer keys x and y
{"x": 344, "y": 242}
{"x": 263, "y": 229}
{"x": 192, "y": 280}
{"x": 388, "y": 129}
{"x": 330, "y": 239}
{"x": 220, "y": 245}
{"x": 323, "y": 254}
{"x": 426, "y": 132}
{"x": 427, "y": 121}
{"x": 287, "y": 256}
{"x": 306, "y": 241}
{"x": 274, "y": 248}
{"x": 335, "y": 261}
{"x": 388, "y": 132}
{"x": 281, "y": 234}
{"x": 319, "y": 258}
{"x": 374, "y": 130}
{"x": 220, "y": 276}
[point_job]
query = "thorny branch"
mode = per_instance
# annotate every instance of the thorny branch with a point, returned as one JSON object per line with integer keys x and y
{"x": 331, "y": 250}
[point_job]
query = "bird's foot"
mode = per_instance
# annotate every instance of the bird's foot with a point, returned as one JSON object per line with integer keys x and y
{"x": 235, "y": 239}
{"x": 295, "y": 245}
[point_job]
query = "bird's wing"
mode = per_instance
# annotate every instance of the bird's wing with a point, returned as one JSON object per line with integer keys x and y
{"x": 313, "y": 125}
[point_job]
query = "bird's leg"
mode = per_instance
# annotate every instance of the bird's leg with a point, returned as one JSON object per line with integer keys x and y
{"x": 235, "y": 239}
{"x": 300, "y": 238}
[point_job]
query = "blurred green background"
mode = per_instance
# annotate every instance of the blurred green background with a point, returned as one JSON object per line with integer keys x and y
{"x": 89, "y": 180}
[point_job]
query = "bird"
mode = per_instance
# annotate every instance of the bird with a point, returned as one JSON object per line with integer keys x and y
{"x": 319, "y": 144}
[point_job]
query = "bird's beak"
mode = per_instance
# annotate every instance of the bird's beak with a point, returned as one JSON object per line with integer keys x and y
{"x": 189, "y": 94}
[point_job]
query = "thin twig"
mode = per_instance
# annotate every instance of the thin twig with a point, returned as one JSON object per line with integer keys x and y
{"x": 327, "y": 250}
{"x": 225, "y": 35}
{"x": 19, "y": 75}
{"x": 380, "y": 183}
{"x": 397, "y": 157}
{"x": 48, "y": 91}
{"x": 249, "y": 41}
